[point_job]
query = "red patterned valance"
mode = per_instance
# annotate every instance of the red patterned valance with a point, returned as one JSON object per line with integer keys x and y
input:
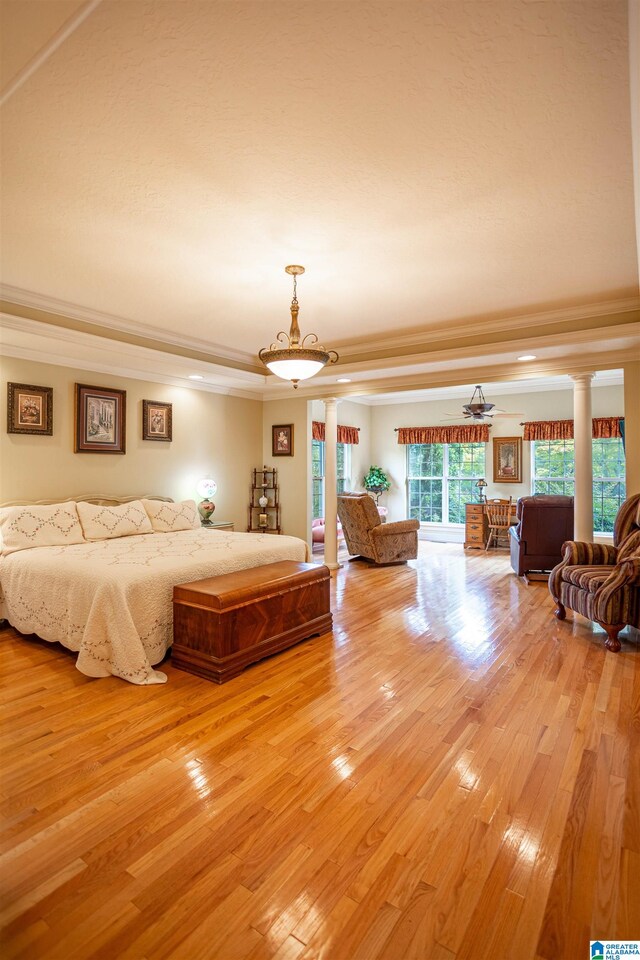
{"x": 345, "y": 434}
{"x": 601, "y": 428}
{"x": 548, "y": 430}
{"x": 460, "y": 433}
{"x": 605, "y": 427}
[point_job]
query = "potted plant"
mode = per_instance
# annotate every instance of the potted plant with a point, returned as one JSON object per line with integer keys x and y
{"x": 376, "y": 482}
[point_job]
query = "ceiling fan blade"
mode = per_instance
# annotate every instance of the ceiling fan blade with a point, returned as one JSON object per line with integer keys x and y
{"x": 505, "y": 414}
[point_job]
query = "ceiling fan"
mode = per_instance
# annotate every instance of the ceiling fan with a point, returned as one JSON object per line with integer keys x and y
{"x": 478, "y": 410}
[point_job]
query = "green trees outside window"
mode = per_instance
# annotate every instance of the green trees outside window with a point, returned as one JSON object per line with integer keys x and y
{"x": 553, "y": 473}
{"x": 441, "y": 479}
{"x": 317, "y": 473}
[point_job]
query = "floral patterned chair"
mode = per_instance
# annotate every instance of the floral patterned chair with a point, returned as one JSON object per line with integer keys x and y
{"x": 368, "y": 537}
{"x": 602, "y": 582}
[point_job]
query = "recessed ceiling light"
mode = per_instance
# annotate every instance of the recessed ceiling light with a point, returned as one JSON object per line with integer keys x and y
{"x": 528, "y": 356}
{"x": 196, "y": 376}
{"x": 343, "y": 380}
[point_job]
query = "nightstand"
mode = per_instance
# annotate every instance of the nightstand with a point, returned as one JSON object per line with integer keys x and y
{"x": 475, "y": 528}
{"x": 218, "y": 525}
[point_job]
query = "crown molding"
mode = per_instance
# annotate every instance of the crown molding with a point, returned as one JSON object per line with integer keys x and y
{"x": 126, "y": 360}
{"x": 606, "y": 378}
{"x": 453, "y": 377}
{"x": 456, "y": 337}
{"x": 61, "y": 311}
{"x": 614, "y": 312}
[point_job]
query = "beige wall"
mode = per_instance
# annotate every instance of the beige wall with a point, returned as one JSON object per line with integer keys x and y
{"x": 551, "y": 405}
{"x": 293, "y": 472}
{"x": 212, "y": 434}
{"x": 632, "y": 425}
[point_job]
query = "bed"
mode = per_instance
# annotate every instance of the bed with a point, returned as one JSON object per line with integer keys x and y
{"x": 110, "y": 600}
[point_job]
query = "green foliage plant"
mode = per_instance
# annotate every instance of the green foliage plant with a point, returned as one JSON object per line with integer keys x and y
{"x": 376, "y": 480}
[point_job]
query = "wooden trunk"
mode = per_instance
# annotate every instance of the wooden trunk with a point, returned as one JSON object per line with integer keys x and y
{"x": 223, "y": 624}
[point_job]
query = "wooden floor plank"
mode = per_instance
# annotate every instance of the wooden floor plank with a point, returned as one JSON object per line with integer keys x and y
{"x": 452, "y": 773}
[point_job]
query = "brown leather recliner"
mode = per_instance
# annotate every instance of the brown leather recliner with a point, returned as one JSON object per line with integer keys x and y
{"x": 544, "y": 523}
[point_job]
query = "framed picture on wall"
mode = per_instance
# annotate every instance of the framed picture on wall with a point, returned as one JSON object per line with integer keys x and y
{"x": 157, "y": 421}
{"x": 507, "y": 459}
{"x": 100, "y": 420}
{"x": 282, "y": 440}
{"x": 29, "y": 409}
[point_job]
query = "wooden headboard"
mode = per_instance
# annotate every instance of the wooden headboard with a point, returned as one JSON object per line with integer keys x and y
{"x": 98, "y": 499}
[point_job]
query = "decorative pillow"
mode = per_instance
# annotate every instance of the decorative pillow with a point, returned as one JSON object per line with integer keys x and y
{"x": 123, "y": 520}
{"x": 629, "y": 548}
{"x": 56, "y": 525}
{"x": 170, "y": 517}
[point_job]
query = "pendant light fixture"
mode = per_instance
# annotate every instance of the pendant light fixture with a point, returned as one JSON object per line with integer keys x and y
{"x": 296, "y": 361}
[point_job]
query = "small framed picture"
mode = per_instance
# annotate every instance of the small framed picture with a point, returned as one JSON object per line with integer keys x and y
{"x": 156, "y": 421}
{"x": 29, "y": 409}
{"x": 507, "y": 459}
{"x": 100, "y": 422}
{"x": 282, "y": 440}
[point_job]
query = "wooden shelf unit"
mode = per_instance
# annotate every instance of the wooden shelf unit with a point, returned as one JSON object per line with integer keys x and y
{"x": 264, "y": 482}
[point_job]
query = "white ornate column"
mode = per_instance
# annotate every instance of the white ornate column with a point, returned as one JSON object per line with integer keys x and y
{"x": 582, "y": 439}
{"x": 330, "y": 484}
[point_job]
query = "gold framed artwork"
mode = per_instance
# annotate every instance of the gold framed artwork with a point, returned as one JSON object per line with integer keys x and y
{"x": 29, "y": 409}
{"x": 157, "y": 421}
{"x": 282, "y": 440}
{"x": 100, "y": 421}
{"x": 507, "y": 459}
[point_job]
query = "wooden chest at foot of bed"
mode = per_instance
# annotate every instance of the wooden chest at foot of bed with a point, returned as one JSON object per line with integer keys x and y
{"x": 222, "y": 624}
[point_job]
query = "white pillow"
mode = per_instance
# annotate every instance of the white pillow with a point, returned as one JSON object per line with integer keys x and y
{"x": 104, "y": 523}
{"x": 170, "y": 517}
{"x": 56, "y": 525}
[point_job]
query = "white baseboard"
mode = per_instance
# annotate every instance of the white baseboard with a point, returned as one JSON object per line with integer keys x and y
{"x": 442, "y": 532}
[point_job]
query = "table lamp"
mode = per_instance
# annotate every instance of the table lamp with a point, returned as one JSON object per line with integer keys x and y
{"x": 481, "y": 484}
{"x": 206, "y": 488}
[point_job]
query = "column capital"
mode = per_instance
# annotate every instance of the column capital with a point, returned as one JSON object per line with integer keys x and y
{"x": 331, "y": 401}
{"x": 582, "y": 377}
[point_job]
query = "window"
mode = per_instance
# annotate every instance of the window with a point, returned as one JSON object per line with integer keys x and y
{"x": 609, "y": 488}
{"x": 553, "y": 473}
{"x": 441, "y": 479}
{"x": 343, "y": 470}
{"x": 553, "y": 467}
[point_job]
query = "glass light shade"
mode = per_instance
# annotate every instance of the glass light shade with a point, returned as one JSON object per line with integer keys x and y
{"x": 206, "y": 488}
{"x": 295, "y": 369}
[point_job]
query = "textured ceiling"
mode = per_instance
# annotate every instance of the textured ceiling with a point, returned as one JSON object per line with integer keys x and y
{"x": 429, "y": 163}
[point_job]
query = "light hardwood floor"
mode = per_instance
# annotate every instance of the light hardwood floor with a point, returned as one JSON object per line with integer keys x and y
{"x": 451, "y": 774}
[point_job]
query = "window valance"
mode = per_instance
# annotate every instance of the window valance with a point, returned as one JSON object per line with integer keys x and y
{"x": 345, "y": 434}
{"x": 602, "y": 428}
{"x": 460, "y": 433}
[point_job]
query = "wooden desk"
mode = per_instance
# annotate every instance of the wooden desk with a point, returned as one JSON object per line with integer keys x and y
{"x": 476, "y": 528}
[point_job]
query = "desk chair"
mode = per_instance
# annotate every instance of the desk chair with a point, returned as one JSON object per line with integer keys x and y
{"x": 498, "y": 520}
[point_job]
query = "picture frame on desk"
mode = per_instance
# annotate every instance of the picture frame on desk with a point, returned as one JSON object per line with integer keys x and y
{"x": 507, "y": 459}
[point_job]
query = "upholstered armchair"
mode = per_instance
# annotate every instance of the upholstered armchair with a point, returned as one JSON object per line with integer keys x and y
{"x": 602, "y": 582}
{"x": 368, "y": 537}
{"x": 545, "y": 522}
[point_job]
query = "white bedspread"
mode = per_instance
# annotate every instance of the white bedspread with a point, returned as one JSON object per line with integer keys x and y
{"x": 112, "y": 601}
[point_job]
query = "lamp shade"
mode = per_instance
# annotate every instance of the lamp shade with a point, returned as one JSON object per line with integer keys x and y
{"x": 294, "y": 368}
{"x": 206, "y": 488}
